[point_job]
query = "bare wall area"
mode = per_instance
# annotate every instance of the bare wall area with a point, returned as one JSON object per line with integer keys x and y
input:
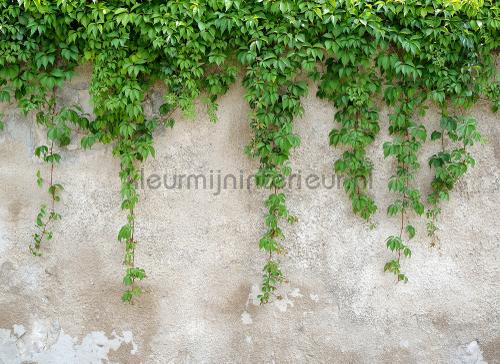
{"x": 199, "y": 247}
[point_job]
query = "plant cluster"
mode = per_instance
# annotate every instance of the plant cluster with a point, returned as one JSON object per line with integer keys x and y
{"x": 413, "y": 52}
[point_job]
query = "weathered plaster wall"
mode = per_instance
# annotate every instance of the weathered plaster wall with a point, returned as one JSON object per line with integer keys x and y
{"x": 201, "y": 253}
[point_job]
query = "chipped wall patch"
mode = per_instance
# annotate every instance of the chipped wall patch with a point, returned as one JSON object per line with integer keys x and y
{"x": 47, "y": 343}
{"x": 314, "y": 297}
{"x": 469, "y": 354}
{"x": 295, "y": 293}
{"x": 254, "y": 295}
{"x": 283, "y": 303}
{"x": 246, "y": 318}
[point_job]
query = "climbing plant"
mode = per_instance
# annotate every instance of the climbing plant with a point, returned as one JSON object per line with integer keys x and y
{"x": 407, "y": 54}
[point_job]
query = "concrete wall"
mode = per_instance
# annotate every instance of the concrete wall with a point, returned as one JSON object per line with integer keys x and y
{"x": 200, "y": 250}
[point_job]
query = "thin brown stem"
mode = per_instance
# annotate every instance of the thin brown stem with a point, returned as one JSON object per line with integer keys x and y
{"x": 51, "y": 179}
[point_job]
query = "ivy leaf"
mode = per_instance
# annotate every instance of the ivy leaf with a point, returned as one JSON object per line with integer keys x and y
{"x": 411, "y": 231}
{"x": 125, "y": 232}
{"x": 436, "y": 135}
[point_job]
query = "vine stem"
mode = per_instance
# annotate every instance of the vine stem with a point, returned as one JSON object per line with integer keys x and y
{"x": 404, "y": 197}
{"x": 52, "y": 207}
{"x": 52, "y": 113}
{"x": 401, "y": 231}
{"x": 132, "y": 244}
{"x": 404, "y": 200}
{"x": 44, "y": 231}
{"x": 52, "y": 176}
{"x": 402, "y": 215}
{"x": 51, "y": 151}
{"x": 168, "y": 115}
{"x": 132, "y": 236}
{"x": 271, "y": 250}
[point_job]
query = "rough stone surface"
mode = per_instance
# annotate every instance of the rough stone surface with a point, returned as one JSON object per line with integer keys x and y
{"x": 200, "y": 250}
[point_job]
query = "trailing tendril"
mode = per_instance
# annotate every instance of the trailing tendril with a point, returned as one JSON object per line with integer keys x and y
{"x": 408, "y": 137}
{"x": 449, "y": 165}
{"x": 275, "y": 100}
{"x": 351, "y": 82}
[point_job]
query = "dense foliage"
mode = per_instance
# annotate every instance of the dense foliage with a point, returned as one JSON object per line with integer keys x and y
{"x": 412, "y": 53}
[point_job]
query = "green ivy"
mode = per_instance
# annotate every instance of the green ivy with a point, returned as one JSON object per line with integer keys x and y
{"x": 408, "y": 138}
{"x": 407, "y": 54}
{"x": 351, "y": 82}
{"x": 449, "y": 165}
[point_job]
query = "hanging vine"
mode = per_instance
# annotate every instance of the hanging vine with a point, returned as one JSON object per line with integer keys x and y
{"x": 351, "y": 82}
{"x": 184, "y": 61}
{"x": 35, "y": 61}
{"x": 276, "y": 49}
{"x": 275, "y": 100}
{"x": 449, "y": 164}
{"x": 58, "y": 135}
{"x": 408, "y": 137}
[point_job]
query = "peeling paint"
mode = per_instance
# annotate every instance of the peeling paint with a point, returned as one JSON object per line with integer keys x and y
{"x": 254, "y": 295}
{"x": 47, "y": 343}
{"x": 246, "y": 318}
{"x": 283, "y": 303}
{"x": 295, "y": 293}
{"x": 314, "y": 297}
{"x": 469, "y": 354}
